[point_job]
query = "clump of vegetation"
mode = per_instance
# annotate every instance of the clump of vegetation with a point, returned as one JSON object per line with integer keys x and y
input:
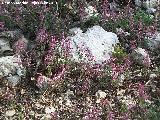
{"x": 51, "y": 74}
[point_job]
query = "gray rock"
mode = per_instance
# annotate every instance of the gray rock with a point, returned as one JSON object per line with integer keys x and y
{"x": 140, "y": 56}
{"x": 4, "y": 46}
{"x": 147, "y": 3}
{"x": 154, "y": 42}
{"x": 14, "y": 80}
{"x": 11, "y": 35}
{"x": 10, "y": 65}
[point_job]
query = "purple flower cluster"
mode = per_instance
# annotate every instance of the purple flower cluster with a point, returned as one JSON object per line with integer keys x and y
{"x": 42, "y": 35}
{"x": 92, "y": 114}
{"x": 118, "y": 69}
{"x": 141, "y": 91}
{"x": 53, "y": 42}
{"x": 85, "y": 52}
{"x": 49, "y": 57}
{"x": 66, "y": 46}
{"x": 2, "y": 25}
{"x": 106, "y": 11}
{"x": 41, "y": 80}
{"x": 146, "y": 61}
{"x": 20, "y": 45}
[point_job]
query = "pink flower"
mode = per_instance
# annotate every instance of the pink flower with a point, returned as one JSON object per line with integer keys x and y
{"x": 104, "y": 102}
{"x": 110, "y": 115}
{"x": 114, "y": 75}
{"x": 92, "y": 114}
{"x": 81, "y": 10}
{"x": 126, "y": 116}
{"x": 133, "y": 44}
{"x": 2, "y": 25}
{"x": 59, "y": 76}
{"x": 20, "y": 45}
{"x": 85, "y": 85}
{"x": 146, "y": 60}
{"x": 66, "y": 46}
{"x": 41, "y": 80}
{"x": 48, "y": 58}
{"x": 131, "y": 23}
{"x": 84, "y": 51}
{"x": 54, "y": 115}
{"x": 141, "y": 91}
{"x": 42, "y": 35}
{"x": 127, "y": 63}
{"x": 52, "y": 43}
{"x": 106, "y": 11}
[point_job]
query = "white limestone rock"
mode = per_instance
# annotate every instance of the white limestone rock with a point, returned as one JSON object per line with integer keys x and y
{"x": 14, "y": 35}
{"x": 97, "y": 40}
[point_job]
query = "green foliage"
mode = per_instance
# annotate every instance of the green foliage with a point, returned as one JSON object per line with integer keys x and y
{"x": 144, "y": 17}
{"x": 8, "y": 22}
{"x": 123, "y": 23}
{"x": 111, "y": 25}
{"x": 119, "y": 53}
{"x": 20, "y": 112}
{"x": 124, "y": 108}
{"x": 153, "y": 113}
{"x": 93, "y": 20}
{"x": 120, "y": 23}
{"x": 48, "y": 21}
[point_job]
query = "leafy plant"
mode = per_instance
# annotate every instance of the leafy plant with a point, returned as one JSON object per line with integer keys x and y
{"x": 8, "y": 22}
{"x": 147, "y": 19}
{"x": 119, "y": 53}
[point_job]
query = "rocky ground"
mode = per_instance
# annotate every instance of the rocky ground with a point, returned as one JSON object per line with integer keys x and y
{"x": 103, "y": 79}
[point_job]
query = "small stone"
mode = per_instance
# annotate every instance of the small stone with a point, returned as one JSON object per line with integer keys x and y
{"x": 121, "y": 78}
{"x": 100, "y": 95}
{"x": 10, "y": 113}
{"x": 152, "y": 76}
{"x": 46, "y": 117}
{"x": 49, "y": 110}
{"x": 98, "y": 101}
{"x": 69, "y": 93}
{"x": 68, "y": 103}
{"x": 31, "y": 113}
{"x": 154, "y": 41}
{"x": 60, "y": 100}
